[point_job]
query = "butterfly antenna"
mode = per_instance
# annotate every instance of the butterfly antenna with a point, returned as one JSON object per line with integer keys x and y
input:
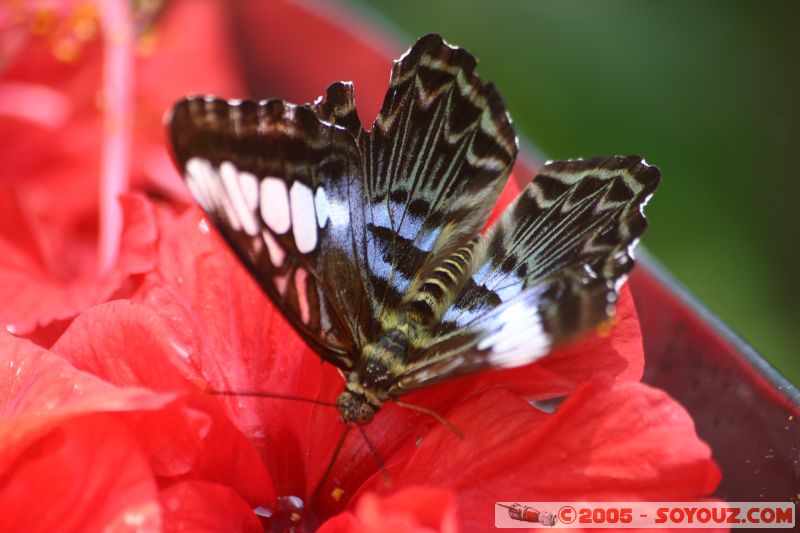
{"x": 331, "y": 462}
{"x": 276, "y": 396}
{"x": 381, "y": 465}
{"x": 431, "y": 412}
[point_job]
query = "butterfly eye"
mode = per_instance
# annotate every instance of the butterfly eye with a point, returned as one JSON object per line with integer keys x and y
{"x": 365, "y": 414}
{"x": 355, "y": 408}
{"x": 344, "y": 400}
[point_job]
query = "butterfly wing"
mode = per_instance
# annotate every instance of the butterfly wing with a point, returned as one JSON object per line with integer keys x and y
{"x": 435, "y": 161}
{"x": 549, "y": 270}
{"x": 284, "y": 189}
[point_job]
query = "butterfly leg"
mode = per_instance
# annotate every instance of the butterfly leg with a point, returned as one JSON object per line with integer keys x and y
{"x": 431, "y": 412}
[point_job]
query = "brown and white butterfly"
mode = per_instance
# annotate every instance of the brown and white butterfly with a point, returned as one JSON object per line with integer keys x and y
{"x": 369, "y": 241}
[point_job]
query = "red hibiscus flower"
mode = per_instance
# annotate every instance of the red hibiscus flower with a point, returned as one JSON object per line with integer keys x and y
{"x": 107, "y": 425}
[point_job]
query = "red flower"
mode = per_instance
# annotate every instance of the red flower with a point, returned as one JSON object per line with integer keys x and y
{"x": 109, "y": 427}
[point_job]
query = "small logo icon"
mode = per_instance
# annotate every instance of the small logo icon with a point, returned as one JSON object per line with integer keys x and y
{"x": 528, "y": 514}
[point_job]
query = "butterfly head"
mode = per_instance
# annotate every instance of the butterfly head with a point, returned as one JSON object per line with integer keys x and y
{"x": 354, "y": 406}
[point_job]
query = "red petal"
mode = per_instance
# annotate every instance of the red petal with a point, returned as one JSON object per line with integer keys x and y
{"x": 607, "y": 442}
{"x": 39, "y": 390}
{"x": 171, "y": 72}
{"x": 33, "y": 295}
{"x": 414, "y": 509}
{"x": 129, "y": 344}
{"x": 237, "y": 341}
{"x": 201, "y": 506}
{"x": 508, "y": 195}
{"x": 87, "y": 475}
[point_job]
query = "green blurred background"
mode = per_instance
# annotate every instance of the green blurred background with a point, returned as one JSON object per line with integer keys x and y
{"x": 707, "y": 90}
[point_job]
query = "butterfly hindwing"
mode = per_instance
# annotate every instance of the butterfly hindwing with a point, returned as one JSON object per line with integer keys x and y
{"x": 549, "y": 270}
{"x": 284, "y": 189}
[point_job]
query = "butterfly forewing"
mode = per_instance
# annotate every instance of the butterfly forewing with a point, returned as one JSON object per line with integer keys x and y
{"x": 549, "y": 270}
{"x": 284, "y": 189}
{"x": 435, "y": 161}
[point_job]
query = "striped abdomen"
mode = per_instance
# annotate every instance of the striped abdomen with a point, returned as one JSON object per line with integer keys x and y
{"x": 442, "y": 282}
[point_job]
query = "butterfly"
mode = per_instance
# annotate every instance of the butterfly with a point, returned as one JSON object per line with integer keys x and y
{"x": 371, "y": 242}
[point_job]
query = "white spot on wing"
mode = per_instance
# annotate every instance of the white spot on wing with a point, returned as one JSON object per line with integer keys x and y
{"x": 304, "y": 222}
{"x": 521, "y": 338}
{"x": 205, "y": 185}
{"x": 239, "y": 203}
{"x": 321, "y": 203}
{"x": 281, "y": 283}
{"x": 249, "y": 185}
{"x": 276, "y": 253}
{"x": 302, "y": 294}
{"x": 275, "y": 204}
{"x": 198, "y": 176}
{"x": 324, "y": 317}
{"x": 256, "y": 245}
{"x": 338, "y": 214}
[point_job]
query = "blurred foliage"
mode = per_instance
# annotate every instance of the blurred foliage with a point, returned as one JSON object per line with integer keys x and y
{"x": 707, "y": 90}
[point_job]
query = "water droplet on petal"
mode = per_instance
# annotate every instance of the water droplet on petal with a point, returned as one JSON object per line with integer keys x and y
{"x": 11, "y": 328}
{"x": 203, "y": 226}
{"x": 133, "y": 518}
{"x": 262, "y": 512}
{"x": 180, "y": 349}
{"x": 292, "y": 504}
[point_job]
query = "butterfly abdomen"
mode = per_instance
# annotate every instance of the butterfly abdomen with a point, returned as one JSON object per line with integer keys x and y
{"x": 428, "y": 300}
